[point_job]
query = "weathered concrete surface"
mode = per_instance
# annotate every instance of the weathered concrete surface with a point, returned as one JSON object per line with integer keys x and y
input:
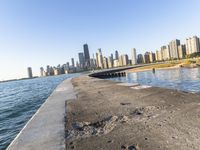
{"x": 45, "y": 130}
{"x": 108, "y": 116}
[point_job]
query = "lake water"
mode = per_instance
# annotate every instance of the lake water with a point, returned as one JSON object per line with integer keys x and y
{"x": 183, "y": 79}
{"x": 19, "y": 100}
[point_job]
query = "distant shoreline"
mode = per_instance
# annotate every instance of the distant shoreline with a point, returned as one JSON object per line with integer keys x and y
{"x": 162, "y": 67}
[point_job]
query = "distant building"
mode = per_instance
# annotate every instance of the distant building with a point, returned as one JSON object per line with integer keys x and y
{"x": 152, "y": 57}
{"x": 116, "y": 63}
{"x": 165, "y": 54}
{"x": 30, "y": 74}
{"x": 81, "y": 60}
{"x": 181, "y": 51}
{"x": 146, "y": 58}
{"x": 92, "y": 63}
{"x": 87, "y": 55}
{"x": 100, "y": 59}
{"x": 123, "y": 60}
{"x": 133, "y": 56}
{"x": 97, "y": 60}
{"x": 105, "y": 63}
{"x": 67, "y": 66}
{"x": 173, "y": 48}
{"x": 159, "y": 55}
{"x": 72, "y": 60}
{"x": 116, "y": 55}
{"x": 56, "y": 71}
{"x": 192, "y": 45}
{"x": 42, "y": 73}
{"x": 140, "y": 59}
{"x": 110, "y": 62}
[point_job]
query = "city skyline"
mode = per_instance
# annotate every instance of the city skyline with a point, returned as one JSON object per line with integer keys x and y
{"x": 174, "y": 50}
{"x": 43, "y": 33}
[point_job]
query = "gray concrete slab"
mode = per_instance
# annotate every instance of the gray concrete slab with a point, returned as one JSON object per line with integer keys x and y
{"x": 45, "y": 130}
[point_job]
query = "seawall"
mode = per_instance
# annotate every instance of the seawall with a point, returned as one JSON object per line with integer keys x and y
{"x": 45, "y": 130}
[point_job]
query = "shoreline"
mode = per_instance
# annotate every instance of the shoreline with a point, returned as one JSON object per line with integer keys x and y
{"x": 141, "y": 69}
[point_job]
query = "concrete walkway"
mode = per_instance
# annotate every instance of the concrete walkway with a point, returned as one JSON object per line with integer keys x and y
{"x": 45, "y": 130}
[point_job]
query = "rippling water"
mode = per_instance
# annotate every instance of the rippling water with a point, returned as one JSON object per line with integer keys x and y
{"x": 19, "y": 100}
{"x": 183, "y": 79}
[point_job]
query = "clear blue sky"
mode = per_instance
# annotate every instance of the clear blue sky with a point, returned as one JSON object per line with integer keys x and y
{"x": 40, "y": 32}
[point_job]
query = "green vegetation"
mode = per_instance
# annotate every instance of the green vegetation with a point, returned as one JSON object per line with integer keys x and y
{"x": 193, "y": 55}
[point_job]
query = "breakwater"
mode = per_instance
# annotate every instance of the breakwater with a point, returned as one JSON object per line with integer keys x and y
{"x": 19, "y": 100}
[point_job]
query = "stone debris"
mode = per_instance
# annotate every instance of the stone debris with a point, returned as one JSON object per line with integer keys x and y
{"x": 87, "y": 129}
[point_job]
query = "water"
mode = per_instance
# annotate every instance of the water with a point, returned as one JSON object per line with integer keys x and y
{"x": 19, "y": 100}
{"x": 183, "y": 79}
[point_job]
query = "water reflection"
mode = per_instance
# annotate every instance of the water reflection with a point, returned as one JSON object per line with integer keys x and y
{"x": 181, "y": 79}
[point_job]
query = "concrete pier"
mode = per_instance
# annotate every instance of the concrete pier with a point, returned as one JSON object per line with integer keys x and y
{"x": 109, "y": 115}
{"x": 45, "y": 130}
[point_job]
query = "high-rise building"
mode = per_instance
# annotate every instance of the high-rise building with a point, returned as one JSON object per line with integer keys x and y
{"x": 67, "y": 65}
{"x": 92, "y": 63}
{"x": 110, "y": 62}
{"x": 146, "y": 58}
{"x": 173, "y": 48}
{"x": 140, "y": 59}
{"x": 30, "y": 74}
{"x": 181, "y": 51}
{"x": 133, "y": 56}
{"x": 87, "y": 55}
{"x": 152, "y": 57}
{"x": 192, "y": 45}
{"x": 165, "y": 55}
{"x": 123, "y": 60}
{"x": 72, "y": 60}
{"x": 81, "y": 60}
{"x": 105, "y": 63}
{"x": 116, "y": 55}
{"x": 100, "y": 59}
{"x": 97, "y": 60}
{"x": 159, "y": 55}
{"x": 42, "y": 73}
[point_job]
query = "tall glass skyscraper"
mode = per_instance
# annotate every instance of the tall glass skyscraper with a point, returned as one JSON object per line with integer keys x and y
{"x": 87, "y": 55}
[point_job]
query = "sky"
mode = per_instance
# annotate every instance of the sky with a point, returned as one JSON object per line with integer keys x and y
{"x": 36, "y": 33}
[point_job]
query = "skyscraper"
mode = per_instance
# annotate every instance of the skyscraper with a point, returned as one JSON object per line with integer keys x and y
{"x": 100, "y": 58}
{"x": 42, "y": 71}
{"x": 30, "y": 74}
{"x": 165, "y": 55}
{"x": 73, "y": 65}
{"x": 192, "y": 45}
{"x": 116, "y": 55}
{"x": 87, "y": 55}
{"x": 181, "y": 51}
{"x": 123, "y": 60}
{"x": 173, "y": 48}
{"x": 140, "y": 59}
{"x": 105, "y": 62}
{"x": 152, "y": 57}
{"x": 133, "y": 56}
{"x": 147, "y": 57}
{"x": 112, "y": 60}
{"x": 81, "y": 60}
